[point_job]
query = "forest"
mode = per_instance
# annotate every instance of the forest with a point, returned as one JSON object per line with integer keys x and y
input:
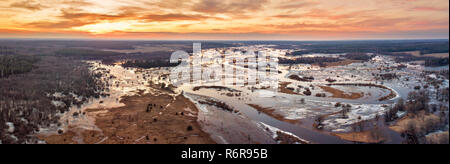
{"x": 381, "y": 46}
{"x": 358, "y": 56}
{"x": 148, "y": 64}
{"x": 27, "y": 100}
{"x": 16, "y": 64}
{"x": 309, "y": 60}
{"x": 429, "y": 61}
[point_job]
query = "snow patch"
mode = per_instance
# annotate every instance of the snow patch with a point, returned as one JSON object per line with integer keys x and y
{"x": 337, "y": 123}
{"x": 265, "y": 93}
{"x": 11, "y": 127}
{"x": 274, "y": 130}
{"x": 58, "y": 103}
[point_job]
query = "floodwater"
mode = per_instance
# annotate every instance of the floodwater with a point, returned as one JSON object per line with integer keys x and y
{"x": 122, "y": 82}
{"x": 437, "y": 68}
{"x": 128, "y": 82}
{"x": 296, "y": 129}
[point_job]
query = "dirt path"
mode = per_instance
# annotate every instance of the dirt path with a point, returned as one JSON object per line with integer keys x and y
{"x": 341, "y": 94}
{"x": 361, "y": 137}
{"x": 283, "y": 88}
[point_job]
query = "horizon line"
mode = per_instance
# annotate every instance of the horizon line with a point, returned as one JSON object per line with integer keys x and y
{"x": 299, "y": 40}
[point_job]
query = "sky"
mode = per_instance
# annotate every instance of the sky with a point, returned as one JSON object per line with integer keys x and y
{"x": 225, "y": 19}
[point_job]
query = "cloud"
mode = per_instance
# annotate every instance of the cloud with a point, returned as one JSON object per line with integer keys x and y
{"x": 174, "y": 17}
{"x": 227, "y": 6}
{"x": 75, "y": 18}
{"x": 224, "y": 16}
{"x": 59, "y": 25}
{"x": 77, "y": 3}
{"x": 293, "y": 4}
{"x": 170, "y": 4}
{"x": 333, "y": 15}
{"x": 368, "y": 24}
{"x": 303, "y": 26}
{"x": 425, "y": 8}
{"x": 74, "y": 14}
{"x": 381, "y": 22}
{"x": 27, "y": 4}
{"x": 320, "y": 14}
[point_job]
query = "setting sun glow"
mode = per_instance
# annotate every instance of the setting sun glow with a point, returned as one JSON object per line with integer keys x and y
{"x": 225, "y": 19}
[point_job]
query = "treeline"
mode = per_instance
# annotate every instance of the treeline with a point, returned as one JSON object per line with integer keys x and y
{"x": 322, "y": 60}
{"x": 398, "y": 57}
{"x": 348, "y": 55}
{"x": 381, "y": 47}
{"x": 298, "y": 53}
{"x": 28, "y": 101}
{"x": 109, "y": 57}
{"x": 86, "y": 54}
{"x": 358, "y": 56}
{"x": 116, "y": 45}
{"x": 423, "y": 122}
{"x": 429, "y": 61}
{"x": 148, "y": 64}
{"x": 5, "y": 50}
{"x": 436, "y": 62}
{"x": 16, "y": 64}
{"x": 309, "y": 60}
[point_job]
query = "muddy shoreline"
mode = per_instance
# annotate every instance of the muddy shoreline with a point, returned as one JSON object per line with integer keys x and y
{"x": 336, "y": 93}
{"x": 166, "y": 122}
{"x": 271, "y": 112}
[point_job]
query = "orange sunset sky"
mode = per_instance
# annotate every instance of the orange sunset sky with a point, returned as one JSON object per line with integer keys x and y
{"x": 225, "y": 19}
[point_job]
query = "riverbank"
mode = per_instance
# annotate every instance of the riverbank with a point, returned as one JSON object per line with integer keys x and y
{"x": 169, "y": 120}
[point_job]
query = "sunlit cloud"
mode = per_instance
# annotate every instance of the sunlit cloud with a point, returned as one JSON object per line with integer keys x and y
{"x": 27, "y": 4}
{"x": 103, "y": 28}
{"x": 236, "y": 19}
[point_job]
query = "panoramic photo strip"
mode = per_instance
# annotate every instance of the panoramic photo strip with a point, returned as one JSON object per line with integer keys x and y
{"x": 224, "y": 72}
